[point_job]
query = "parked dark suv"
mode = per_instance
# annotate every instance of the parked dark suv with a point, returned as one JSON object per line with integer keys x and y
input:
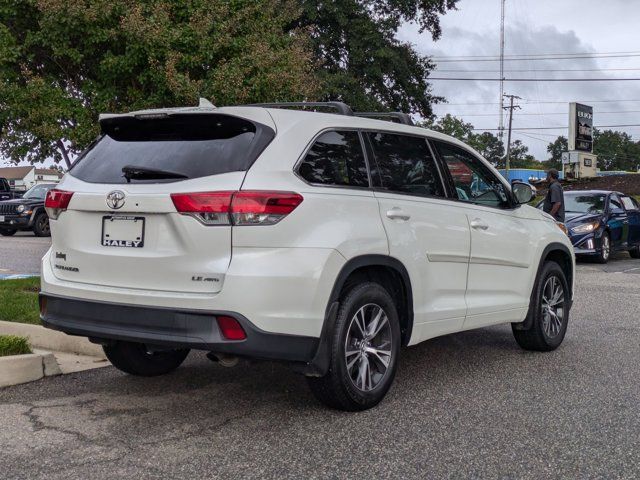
{"x": 26, "y": 213}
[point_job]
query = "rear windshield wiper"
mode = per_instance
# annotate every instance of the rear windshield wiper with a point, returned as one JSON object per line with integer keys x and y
{"x": 144, "y": 173}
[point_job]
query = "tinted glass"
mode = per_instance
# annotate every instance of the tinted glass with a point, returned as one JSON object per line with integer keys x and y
{"x": 614, "y": 204}
{"x": 583, "y": 203}
{"x": 38, "y": 191}
{"x": 336, "y": 158}
{"x": 629, "y": 203}
{"x": 473, "y": 180}
{"x": 405, "y": 164}
{"x": 191, "y": 145}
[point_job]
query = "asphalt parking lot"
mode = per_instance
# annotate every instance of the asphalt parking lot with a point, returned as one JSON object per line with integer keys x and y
{"x": 21, "y": 253}
{"x": 470, "y": 405}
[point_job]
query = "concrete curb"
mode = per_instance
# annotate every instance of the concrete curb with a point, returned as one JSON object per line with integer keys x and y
{"x": 18, "y": 369}
{"x": 40, "y": 337}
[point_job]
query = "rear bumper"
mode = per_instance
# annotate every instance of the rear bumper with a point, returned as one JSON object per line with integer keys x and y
{"x": 103, "y": 321}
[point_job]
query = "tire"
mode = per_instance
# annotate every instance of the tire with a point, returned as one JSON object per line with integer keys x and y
{"x": 7, "y": 232}
{"x": 343, "y": 388}
{"x": 134, "y": 359}
{"x": 635, "y": 252}
{"x": 605, "y": 249}
{"x": 41, "y": 225}
{"x": 546, "y": 333}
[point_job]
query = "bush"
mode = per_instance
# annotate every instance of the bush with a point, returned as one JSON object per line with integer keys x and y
{"x": 13, "y": 345}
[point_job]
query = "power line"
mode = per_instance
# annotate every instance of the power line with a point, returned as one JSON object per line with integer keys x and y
{"x": 535, "y": 103}
{"x": 536, "y": 79}
{"x": 543, "y": 70}
{"x": 540, "y": 114}
{"x": 560, "y": 128}
{"x": 509, "y": 58}
{"x": 631, "y": 52}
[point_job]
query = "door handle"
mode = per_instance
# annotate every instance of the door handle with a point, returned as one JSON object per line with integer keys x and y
{"x": 397, "y": 214}
{"x": 478, "y": 224}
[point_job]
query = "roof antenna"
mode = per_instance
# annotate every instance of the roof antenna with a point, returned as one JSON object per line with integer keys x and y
{"x": 204, "y": 103}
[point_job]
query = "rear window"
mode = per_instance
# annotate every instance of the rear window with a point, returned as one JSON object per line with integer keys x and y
{"x": 192, "y": 146}
{"x": 336, "y": 158}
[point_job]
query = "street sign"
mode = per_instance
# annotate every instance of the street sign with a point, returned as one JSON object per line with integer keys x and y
{"x": 580, "y": 127}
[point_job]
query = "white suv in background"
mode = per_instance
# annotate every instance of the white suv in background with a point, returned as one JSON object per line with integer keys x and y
{"x": 326, "y": 240}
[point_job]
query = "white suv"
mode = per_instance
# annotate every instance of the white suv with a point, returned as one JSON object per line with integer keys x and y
{"x": 326, "y": 240}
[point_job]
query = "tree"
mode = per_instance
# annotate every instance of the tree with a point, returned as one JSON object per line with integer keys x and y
{"x": 489, "y": 146}
{"x": 616, "y": 150}
{"x": 555, "y": 150}
{"x": 363, "y": 63}
{"x": 451, "y": 125}
{"x": 520, "y": 157}
{"x": 64, "y": 61}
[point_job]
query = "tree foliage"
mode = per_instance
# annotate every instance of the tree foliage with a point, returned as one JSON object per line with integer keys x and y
{"x": 64, "y": 61}
{"x": 363, "y": 63}
{"x": 615, "y": 150}
{"x": 555, "y": 150}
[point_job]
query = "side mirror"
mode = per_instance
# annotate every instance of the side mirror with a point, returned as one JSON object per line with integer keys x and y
{"x": 523, "y": 192}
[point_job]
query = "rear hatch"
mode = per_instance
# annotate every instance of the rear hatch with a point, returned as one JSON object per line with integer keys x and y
{"x": 121, "y": 227}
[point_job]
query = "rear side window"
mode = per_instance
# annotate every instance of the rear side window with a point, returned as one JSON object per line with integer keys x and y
{"x": 405, "y": 165}
{"x": 336, "y": 158}
{"x": 190, "y": 146}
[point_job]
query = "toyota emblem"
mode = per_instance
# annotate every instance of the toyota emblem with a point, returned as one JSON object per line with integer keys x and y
{"x": 115, "y": 199}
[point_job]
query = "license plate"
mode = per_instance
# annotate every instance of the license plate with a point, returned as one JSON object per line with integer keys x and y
{"x": 123, "y": 231}
{"x": 1, "y": 218}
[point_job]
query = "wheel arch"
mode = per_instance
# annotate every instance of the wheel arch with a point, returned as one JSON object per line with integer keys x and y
{"x": 563, "y": 256}
{"x": 390, "y": 273}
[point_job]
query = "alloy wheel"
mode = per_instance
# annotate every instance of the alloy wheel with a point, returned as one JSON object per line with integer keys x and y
{"x": 368, "y": 348}
{"x": 43, "y": 224}
{"x": 553, "y": 306}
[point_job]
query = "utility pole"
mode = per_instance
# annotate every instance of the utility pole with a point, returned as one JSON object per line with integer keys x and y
{"x": 501, "y": 94}
{"x": 511, "y": 108}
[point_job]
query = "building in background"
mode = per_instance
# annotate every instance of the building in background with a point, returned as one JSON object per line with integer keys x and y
{"x": 23, "y": 178}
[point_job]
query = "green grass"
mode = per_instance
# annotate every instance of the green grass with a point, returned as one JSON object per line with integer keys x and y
{"x": 13, "y": 345}
{"x": 19, "y": 300}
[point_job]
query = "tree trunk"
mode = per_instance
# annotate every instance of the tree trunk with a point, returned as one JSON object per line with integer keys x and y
{"x": 65, "y": 153}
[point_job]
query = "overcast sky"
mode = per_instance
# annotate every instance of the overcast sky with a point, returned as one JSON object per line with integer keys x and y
{"x": 538, "y": 27}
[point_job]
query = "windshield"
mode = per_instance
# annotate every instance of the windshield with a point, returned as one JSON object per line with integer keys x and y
{"x": 38, "y": 191}
{"x": 584, "y": 203}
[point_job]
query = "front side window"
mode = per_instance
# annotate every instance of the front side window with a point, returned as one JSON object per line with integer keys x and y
{"x": 614, "y": 205}
{"x": 336, "y": 158}
{"x": 405, "y": 164}
{"x": 473, "y": 180}
{"x": 629, "y": 203}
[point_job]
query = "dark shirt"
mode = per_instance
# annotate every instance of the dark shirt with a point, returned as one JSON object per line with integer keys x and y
{"x": 555, "y": 195}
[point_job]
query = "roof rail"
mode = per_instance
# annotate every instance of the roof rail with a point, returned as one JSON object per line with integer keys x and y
{"x": 398, "y": 117}
{"x": 342, "y": 108}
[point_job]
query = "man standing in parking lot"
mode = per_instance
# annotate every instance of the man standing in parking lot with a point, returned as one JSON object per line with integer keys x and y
{"x": 554, "y": 201}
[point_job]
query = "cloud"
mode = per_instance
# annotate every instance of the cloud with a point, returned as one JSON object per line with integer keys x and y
{"x": 467, "y": 37}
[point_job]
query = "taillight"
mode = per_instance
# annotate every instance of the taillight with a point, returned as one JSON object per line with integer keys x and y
{"x": 248, "y": 207}
{"x": 262, "y": 208}
{"x": 57, "y": 202}
{"x": 231, "y": 328}
{"x": 211, "y": 208}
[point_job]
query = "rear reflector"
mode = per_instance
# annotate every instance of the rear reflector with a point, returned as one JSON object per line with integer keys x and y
{"x": 245, "y": 207}
{"x": 56, "y": 202}
{"x": 231, "y": 328}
